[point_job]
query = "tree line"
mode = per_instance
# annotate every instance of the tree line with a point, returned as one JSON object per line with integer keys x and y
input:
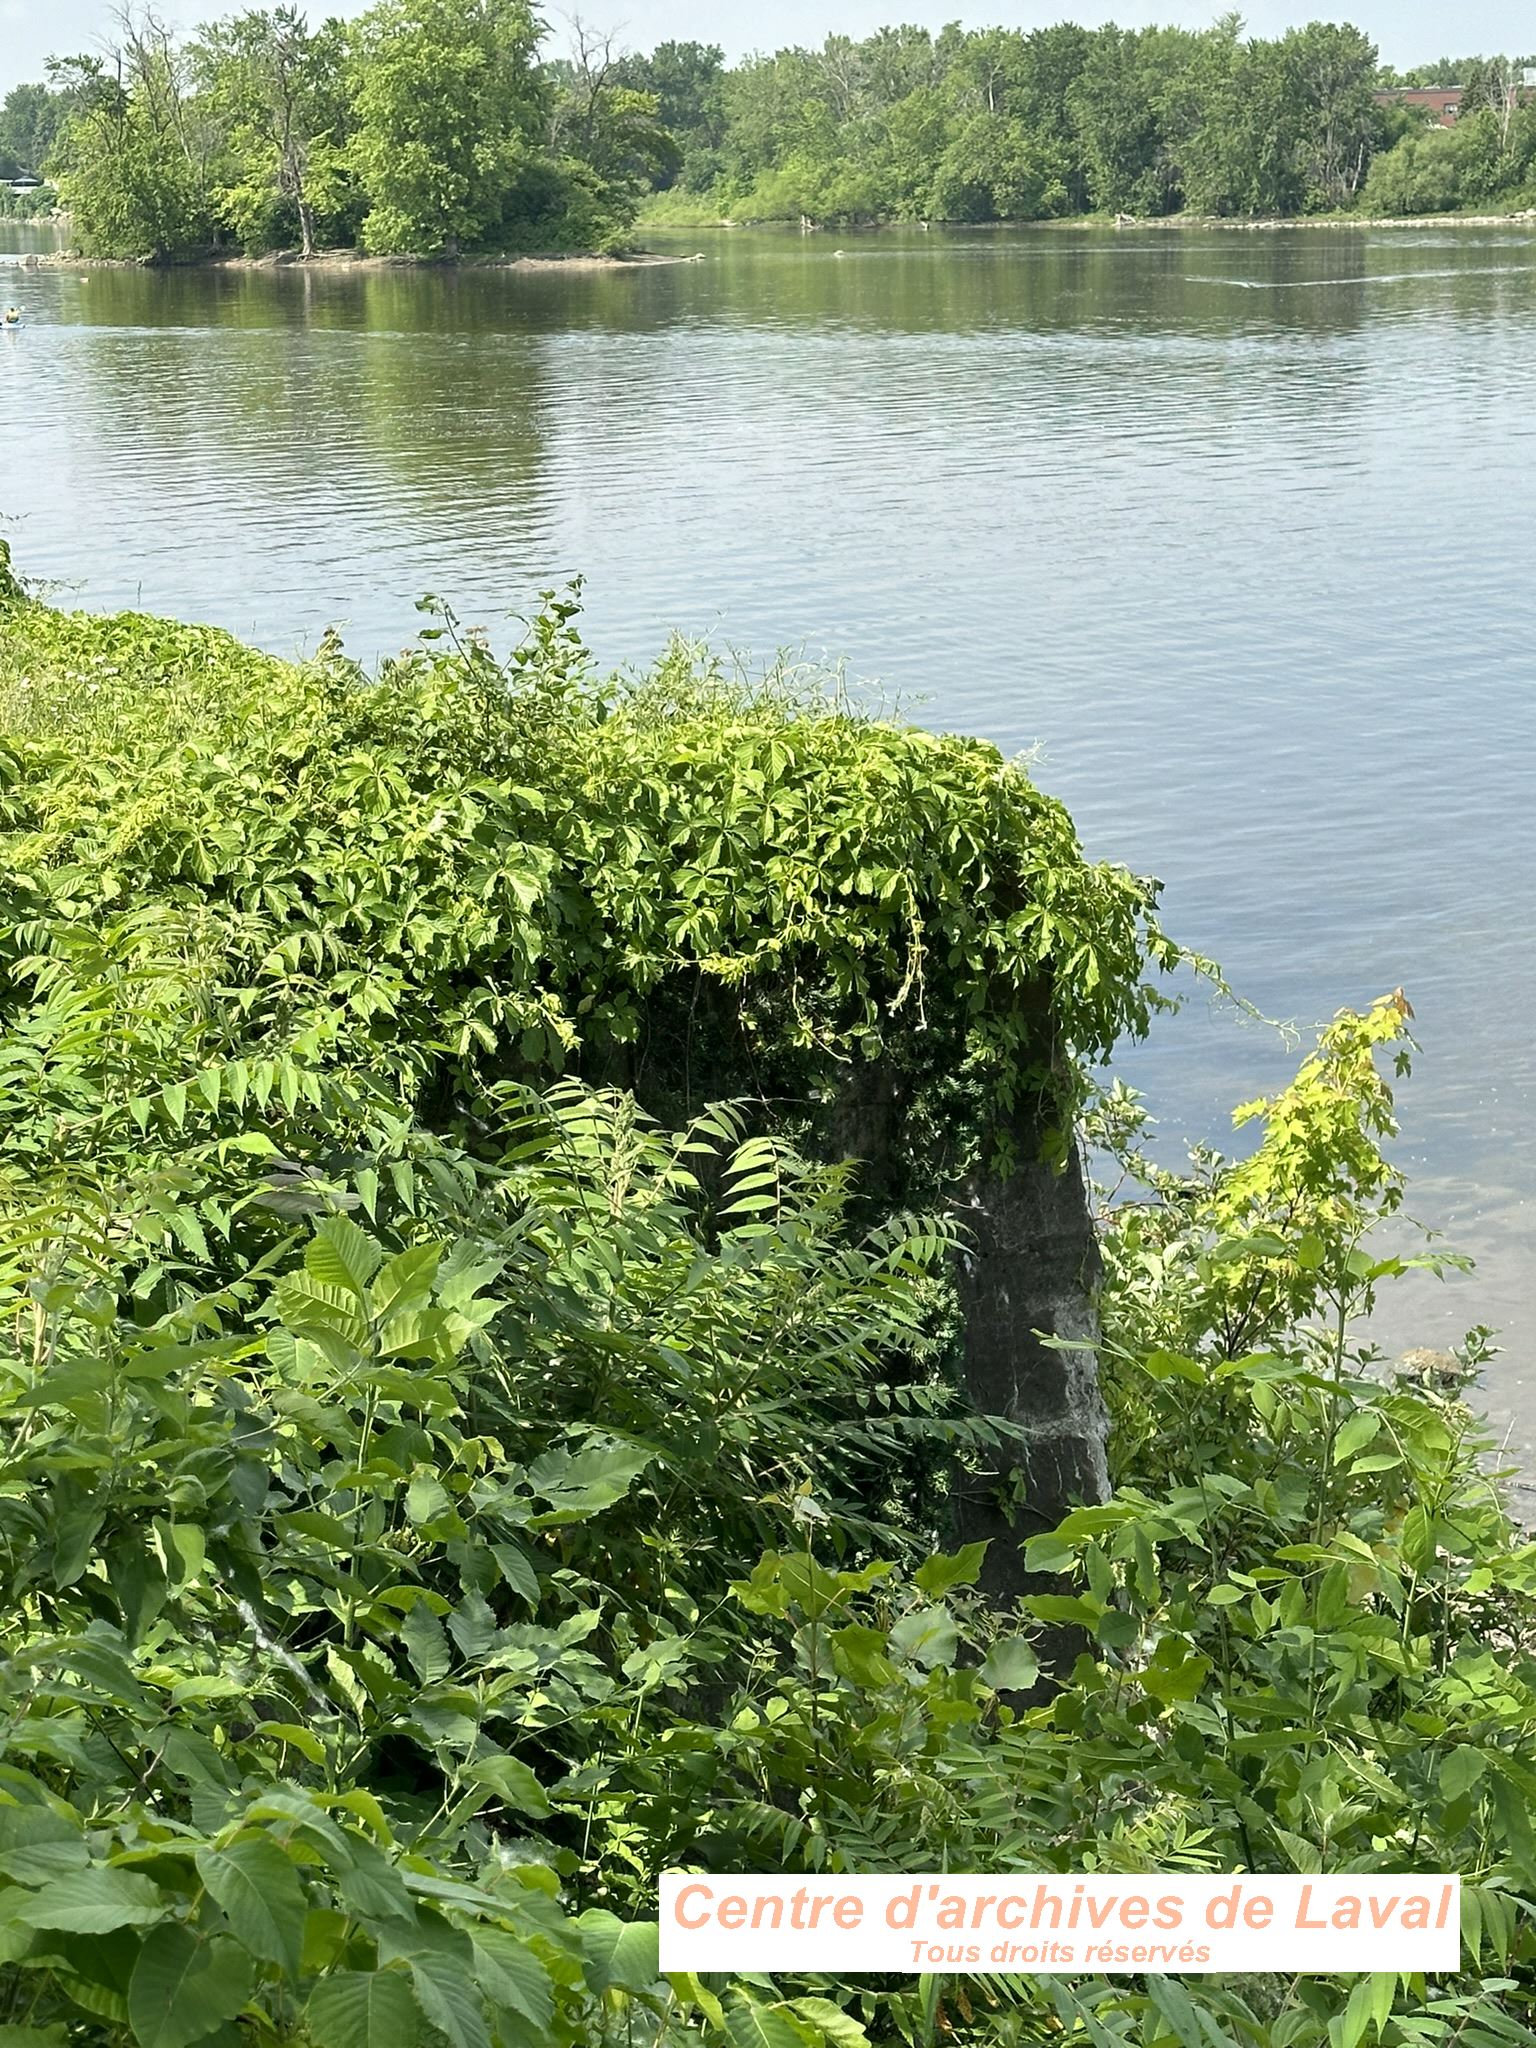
{"x": 446, "y": 126}
{"x": 1004, "y": 124}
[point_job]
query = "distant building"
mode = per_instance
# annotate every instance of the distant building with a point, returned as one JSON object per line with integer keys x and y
{"x": 1442, "y": 101}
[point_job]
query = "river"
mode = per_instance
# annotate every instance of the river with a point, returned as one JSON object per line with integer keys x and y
{"x": 1234, "y": 530}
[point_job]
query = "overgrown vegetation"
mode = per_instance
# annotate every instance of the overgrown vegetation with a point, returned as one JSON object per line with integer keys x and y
{"x": 438, "y": 1497}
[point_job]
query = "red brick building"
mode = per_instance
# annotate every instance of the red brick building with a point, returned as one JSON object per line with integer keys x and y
{"x": 1442, "y": 101}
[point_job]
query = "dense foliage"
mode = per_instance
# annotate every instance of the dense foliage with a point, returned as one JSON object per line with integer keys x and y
{"x": 441, "y": 126}
{"x": 1007, "y": 124}
{"x": 427, "y": 127}
{"x": 436, "y": 1497}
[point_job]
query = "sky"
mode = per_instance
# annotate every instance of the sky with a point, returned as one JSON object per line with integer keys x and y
{"x": 1408, "y": 31}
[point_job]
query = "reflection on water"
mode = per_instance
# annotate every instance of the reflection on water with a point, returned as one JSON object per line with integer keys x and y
{"x": 1233, "y": 527}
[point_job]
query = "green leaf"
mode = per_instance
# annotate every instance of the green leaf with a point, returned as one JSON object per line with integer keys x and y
{"x": 304, "y": 1740}
{"x": 839, "y": 2027}
{"x": 443, "y": 1972}
{"x": 1011, "y": 1665}
{"x": 1359, "y": 1430}
{"x": 936, "y": 1575}
{"x": 859, "y": 1654}
{"x": 748, "y": 2025}
{"x": 353, "y": 2009}
{"x": 1174, "y": 2005}
{"x": 261, "y": 1893}
{"x": 619, "y": 1953}
{"x": 183, "y": 1550}
{"x": 1174, "y": 1672}
{"x": 1461, "y": 1770}
{"x": 95, "y": 1902}
{"x": 512, "y": 1782}
{"x": 927, "y": 1636}
{"x": 473, "y": 1627}
{"x": 690, "y": 1990}
{"x": 425, "y": 1644}
{"x": 371, "y": 1884}
{"x": 428, "y": 1501}
{"x": 450, "y": 1997}
{"x": 184, "y": 1986}
{"x": 1515, "y": 1821}
{"x": 585, "y": 1484}
{"x": 511, "y": 1974}
{"x": 518, "y": 1571}
{"x": 36, "y": 1843}
{"x": 1069, "y": 1608}
{"x": 405, "y": 1282}
{"x": 1349, "y": 2029}
{"x": 342, "y": 1255}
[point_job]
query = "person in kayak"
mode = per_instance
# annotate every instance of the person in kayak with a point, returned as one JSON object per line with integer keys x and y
{"x": 12, "y": 316}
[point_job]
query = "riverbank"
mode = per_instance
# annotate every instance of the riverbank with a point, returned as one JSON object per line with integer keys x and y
{"x": 1525, "y": 217}
{"x": 1098, "y": 222}
{"x": 348, "y": 260}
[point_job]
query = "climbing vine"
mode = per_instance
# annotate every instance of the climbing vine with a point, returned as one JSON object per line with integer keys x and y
{"x": 466, "y": 868}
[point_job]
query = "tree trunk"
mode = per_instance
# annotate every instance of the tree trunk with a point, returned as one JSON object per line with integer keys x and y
{"x": 1031, "y": 1273}
{"x": 1032, "y": 1265}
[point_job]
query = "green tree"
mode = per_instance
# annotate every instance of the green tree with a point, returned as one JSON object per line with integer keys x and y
{"x": 1494, "y": 88}
{"x": 906, "y": 141}
{"x": 1026, "y": 79}
{"x": 1114, "y": 101}
{"x": 1421, "y": 175}
{"x": 30, "y": 119}
{"x": 605, "y": 133}
{"x": 135, "y": 158}
{"x": 1332, "y": 72}
{"x": 995, "y": 170}
{"x": 684, "y": 79}
{"x": 278, "y": 87}
{"x": 1231, "y": 117}
{"x": 448, "y": 108}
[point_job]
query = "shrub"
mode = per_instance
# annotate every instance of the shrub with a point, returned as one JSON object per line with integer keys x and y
{"x": 437, "y": 1497}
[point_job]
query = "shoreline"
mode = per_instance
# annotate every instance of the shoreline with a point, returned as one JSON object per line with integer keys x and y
{"x": 1125, "y": 223}
{"x": 583, "y": 262}
{"x": 1272, "y": 224}
{"x": 342, "y": 260}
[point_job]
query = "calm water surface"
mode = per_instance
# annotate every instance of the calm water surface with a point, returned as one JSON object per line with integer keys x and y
{"x": 1236, "y": 530}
